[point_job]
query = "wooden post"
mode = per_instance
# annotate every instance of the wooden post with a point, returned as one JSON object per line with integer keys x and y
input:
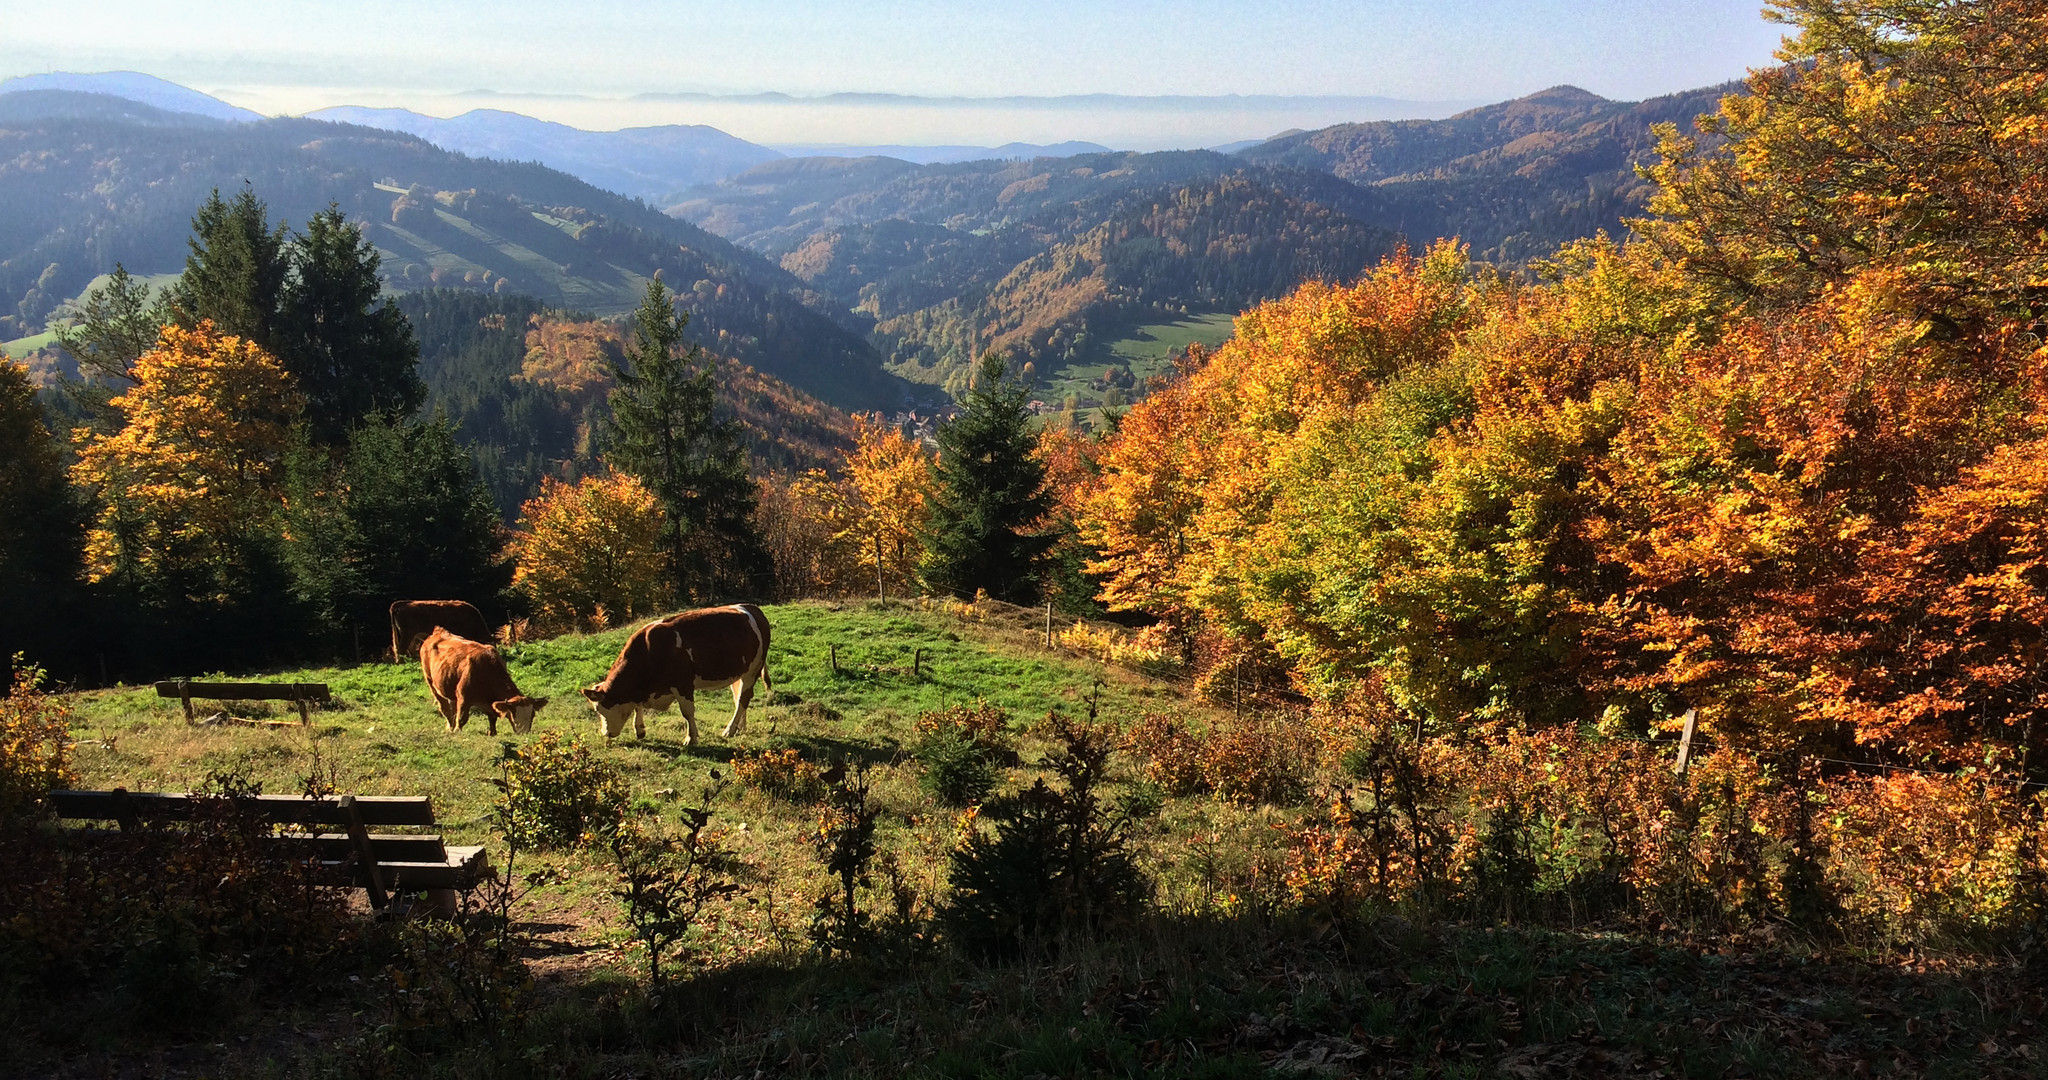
{"x": 835, "y": 658}
{"x": 185, "y": 696}
{"x": 1692, "y": 719}
{"x": 917, "y": 663}
{"x": 305, "y": 720}
{"x": 360, "y": 838}
{"x": 1048, "y": 624}
{"x": 881, "y": 593}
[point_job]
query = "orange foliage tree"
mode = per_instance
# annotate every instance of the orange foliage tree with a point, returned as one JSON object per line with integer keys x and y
{"x": 877, "y": 511}
{"x": 189, "y": 483}
{"x": 590, "y": 552}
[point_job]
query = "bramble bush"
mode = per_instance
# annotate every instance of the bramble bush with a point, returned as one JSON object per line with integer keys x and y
{"x": 1248, "y": 760}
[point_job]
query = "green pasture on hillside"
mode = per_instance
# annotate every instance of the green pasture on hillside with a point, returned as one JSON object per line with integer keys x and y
{"x": 382, "y": 735}
{"x": 1146, "y": 349}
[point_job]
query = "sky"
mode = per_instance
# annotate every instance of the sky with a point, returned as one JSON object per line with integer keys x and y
{"x": 592, "y": 57}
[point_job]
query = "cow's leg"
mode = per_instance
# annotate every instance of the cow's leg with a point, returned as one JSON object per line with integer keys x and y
{"x": 686, "y": 703}
{"x": 742, "y": 693}
{"x": 445, "y": 707}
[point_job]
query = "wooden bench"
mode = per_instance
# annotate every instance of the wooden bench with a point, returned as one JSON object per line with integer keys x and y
{"x": 299, "y": 693}
{"x": 334, "y": 831}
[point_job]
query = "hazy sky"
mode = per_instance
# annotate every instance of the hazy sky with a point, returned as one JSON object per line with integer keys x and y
{"x": 1428, "y": 49}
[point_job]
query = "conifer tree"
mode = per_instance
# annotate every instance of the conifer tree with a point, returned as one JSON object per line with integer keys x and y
{"x": 403, "y": 515}
{"x": 990, "y": 494}
{"x": 235, "y": 274}
{"x": 664, "y": 430}
{"x": 309, "y": 299}
{"x": 42, "y": 527}
{"x": 352, "y": 354}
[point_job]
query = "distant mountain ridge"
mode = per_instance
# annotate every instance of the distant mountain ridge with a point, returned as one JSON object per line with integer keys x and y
{"x": 944, "y": 155}
{"x": 82, "y": 189}
{"x": 133, "y": 86}
{"x": 645, "y": 163}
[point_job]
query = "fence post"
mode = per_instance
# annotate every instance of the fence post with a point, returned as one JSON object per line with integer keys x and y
{"x": 1692, "y": 720}
{"x": 1048, "y": 624}
{"x": 835, "y": 658}
{"x": 917, "y": 663}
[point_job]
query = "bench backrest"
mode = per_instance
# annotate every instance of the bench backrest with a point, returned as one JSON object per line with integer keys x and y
{"x": 120, "y": 805}
{"x": 227, "y": 691}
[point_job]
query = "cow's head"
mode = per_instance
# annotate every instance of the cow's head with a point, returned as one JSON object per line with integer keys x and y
{"x": 520, "y": 711}
{"x": 610, "y": 713}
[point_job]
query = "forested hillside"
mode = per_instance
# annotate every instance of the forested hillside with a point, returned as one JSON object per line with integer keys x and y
{"x": 91, "y": 182}
{"x": 526, "y": 390}
{"x": 1075, "y": 264}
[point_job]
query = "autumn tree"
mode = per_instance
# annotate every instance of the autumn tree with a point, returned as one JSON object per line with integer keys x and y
{"x": 989, "y": 495}
{"x": 595, "y": 545}
{"x": 42, "y": 529}
{"x": 666, "y": 431}
{"x": 188, "y": 491}
{"x": 1897, "y": 133}
{"x": 880, "y": 510}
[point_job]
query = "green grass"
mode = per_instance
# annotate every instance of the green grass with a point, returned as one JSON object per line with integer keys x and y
{"x": 1194, "y": 989}
{"x": 21, "y": 347}
{"x": 1146, "y": 349}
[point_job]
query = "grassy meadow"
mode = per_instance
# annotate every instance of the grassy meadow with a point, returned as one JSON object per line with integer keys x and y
{"x": 1208, "y": 983}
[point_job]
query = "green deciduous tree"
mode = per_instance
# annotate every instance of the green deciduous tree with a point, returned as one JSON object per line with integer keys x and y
{"x": 990, "y": 495}
{"x": 665, "y": 431}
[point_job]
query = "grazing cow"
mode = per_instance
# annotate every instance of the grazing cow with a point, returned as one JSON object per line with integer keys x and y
{"x": 668, "y": 661}
{"x": 465, "y": 675}
{"x": 413, "y": 620}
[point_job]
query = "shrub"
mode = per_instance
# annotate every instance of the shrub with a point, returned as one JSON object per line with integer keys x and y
{"x": 780, "y": 774}
{"x": 957, "y": 770}
{"x": 962, "y": 750}
{"x": 1250, "y": 760}
{"x": 666, "y": 879}
{"x": 1055, "y": 861}
{"x": 35, "y": 743}
{"x": 845, "y": 843}
{"x": 556, "y": 793}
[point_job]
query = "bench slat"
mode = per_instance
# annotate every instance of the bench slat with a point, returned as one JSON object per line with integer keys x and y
{"x": 284, "y": 809}
{"x": 384, "y": 847}
{"x": 226, "y": 691}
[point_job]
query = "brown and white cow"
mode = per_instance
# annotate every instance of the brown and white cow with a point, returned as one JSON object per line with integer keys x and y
{"x": 413, "y": 620}
{"x": 465, "y": 675}
{"x": 669, "y": 661}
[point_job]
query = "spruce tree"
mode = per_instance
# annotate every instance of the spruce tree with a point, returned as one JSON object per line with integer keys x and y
{"x": 42, "y": 530}
{"x": 664, "y": 430}
{"x": 235, "y": 274}
{"x": 312, "y": 301}
{"x": 402, "y": 516}
{"x": 353, "y": 355}
{"x": 990, "y": 495}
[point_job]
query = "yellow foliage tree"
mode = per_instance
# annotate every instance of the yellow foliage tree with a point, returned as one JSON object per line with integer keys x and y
{"x": 595, "y": 544}
{"x": 194, "y": 469}
{"x": 878, "y": 512}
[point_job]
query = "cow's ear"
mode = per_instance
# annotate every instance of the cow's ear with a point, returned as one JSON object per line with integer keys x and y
{"x": 593, "y": 693}
{"x": 502, "y": 708}
{"x": 538, "y": 703}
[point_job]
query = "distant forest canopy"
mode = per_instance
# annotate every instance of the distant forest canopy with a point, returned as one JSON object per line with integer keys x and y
{"x": 1054, "y": 260}
{"x": 526, "y": 386}
{"x": 92, "y": 181}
